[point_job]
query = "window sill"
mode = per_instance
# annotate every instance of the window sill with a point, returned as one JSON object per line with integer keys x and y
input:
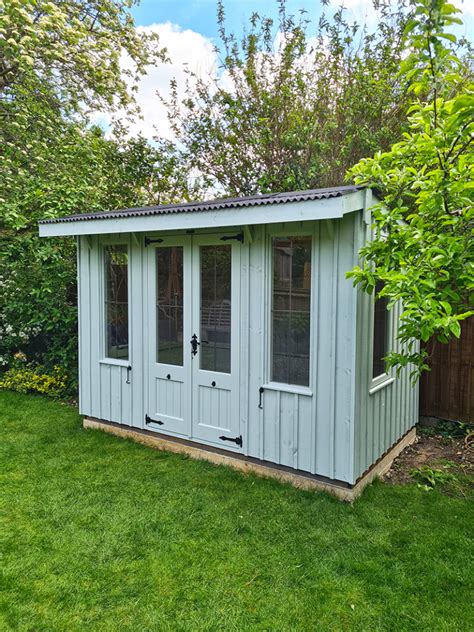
{"x": 288, "y": 388}
{"x": 115, "y": 362}
{"x": 380, "y": 382}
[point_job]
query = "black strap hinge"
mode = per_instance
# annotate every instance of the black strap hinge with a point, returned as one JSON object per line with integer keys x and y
{"x": 237, "y": 237}
{"x": 149, "y": 420}
{"x": 149, "y": 241}
{"x": 237, "y": 440}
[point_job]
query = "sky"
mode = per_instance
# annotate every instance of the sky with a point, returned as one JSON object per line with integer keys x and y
{"x": 188, "y": 29}
{"x": 200, "y": 15}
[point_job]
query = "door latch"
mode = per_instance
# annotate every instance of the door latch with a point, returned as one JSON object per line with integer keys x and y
{"x": 260, "y": 396}
{"x": 194, "y": 344}
{"x": 129, "y": 368}
{"x": 237, "y": 440}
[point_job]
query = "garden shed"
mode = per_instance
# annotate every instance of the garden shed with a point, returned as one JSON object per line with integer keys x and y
{"x": 228, "y": 329}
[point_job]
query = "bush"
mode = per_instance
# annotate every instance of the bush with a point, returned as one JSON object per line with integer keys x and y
{"x": 30, "y": 378}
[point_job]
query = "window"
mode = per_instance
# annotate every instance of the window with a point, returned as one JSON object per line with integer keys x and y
{"x": 291, "y": 309}
{"x": 215, "y": 308}
{"x": 380, "y": 343}
{"x": 116, "y": 301}
{"x": 169, "y": 305}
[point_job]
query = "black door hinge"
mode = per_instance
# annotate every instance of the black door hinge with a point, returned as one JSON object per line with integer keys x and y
{"x": 237, "y": 237}
{"x": 149, "y": 241}
{"x": 237, "y": 440}
{"x": 149, "y": 420}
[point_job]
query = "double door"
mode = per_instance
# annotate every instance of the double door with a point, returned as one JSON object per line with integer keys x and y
{"x": 192, "y": 336}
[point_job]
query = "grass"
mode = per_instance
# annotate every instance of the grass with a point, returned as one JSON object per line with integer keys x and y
{"x": 99, "y": 533}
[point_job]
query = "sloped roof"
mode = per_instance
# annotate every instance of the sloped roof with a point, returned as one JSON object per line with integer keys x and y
{"x": 211, "y": 205}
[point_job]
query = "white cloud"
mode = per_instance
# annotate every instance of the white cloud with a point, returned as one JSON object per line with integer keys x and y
{"x": 466, "y": 6}
{"x": 192, "y": 50}
{"x": 363, "y": 11}
{"x": 185, "y": 49}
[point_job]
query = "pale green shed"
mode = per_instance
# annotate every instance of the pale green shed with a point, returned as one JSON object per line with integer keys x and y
{"x": 228, "y": 329}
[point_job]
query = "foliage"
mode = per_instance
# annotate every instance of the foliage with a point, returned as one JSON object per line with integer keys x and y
{"x": 82, "y": 170}
{"x": 428, "y": 477}
{"x": 105, "y": 534}
{"x": 447, "y": 429}
{"x": 85, "y": 172}
{"x": 59, "y": 60}
{"x": 423, "y": 248}
{"x": 38, "y": 312}
{"x": 450, "y": 477}
{"x": 291, "y": 109}
{"x": 31, "y": 378}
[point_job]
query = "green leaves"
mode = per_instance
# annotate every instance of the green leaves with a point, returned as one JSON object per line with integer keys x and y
{"x": 297, "y": 108}
{"x": 59, "y": 61}
{"x": 424, "y": 227}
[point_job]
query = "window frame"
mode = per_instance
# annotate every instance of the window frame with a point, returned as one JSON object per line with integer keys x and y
{"x": 384, "y": 379}
{"x": 293, "y": 229}
{"x": 105, "y": 243}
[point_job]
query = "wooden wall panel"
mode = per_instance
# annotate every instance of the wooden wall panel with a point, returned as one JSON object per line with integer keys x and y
{"x": 382, "y": 416}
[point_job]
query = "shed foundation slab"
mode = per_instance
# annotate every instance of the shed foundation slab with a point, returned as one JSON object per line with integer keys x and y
{"x": 248, "y": 465}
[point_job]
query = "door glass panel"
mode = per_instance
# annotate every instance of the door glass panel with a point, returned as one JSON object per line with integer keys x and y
{"x": 215, "y": 308}
{"x": 169, "y": 305}
{"x": 291, "y": 302}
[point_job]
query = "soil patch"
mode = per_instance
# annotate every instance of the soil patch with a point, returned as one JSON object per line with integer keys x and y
{"x": 436, "y": 451}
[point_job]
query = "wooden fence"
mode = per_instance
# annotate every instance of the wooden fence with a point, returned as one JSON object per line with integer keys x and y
{"x": 448, "y": 390}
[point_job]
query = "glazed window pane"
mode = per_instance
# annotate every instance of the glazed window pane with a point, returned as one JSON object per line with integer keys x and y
{"x": 380, "y": 347}
{"x": 169, "y": 305}
{"x": 215, "y": 308}
{"x": 291, "y": 309}
{"x": 116, "y": 301}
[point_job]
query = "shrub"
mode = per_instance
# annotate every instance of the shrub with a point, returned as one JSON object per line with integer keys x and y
{"x": 28, "y": 378}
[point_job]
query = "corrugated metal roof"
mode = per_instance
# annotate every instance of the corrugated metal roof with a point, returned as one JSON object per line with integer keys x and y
{"x": 211, "y": 205}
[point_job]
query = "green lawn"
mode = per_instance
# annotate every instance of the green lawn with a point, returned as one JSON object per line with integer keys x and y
{"x": 99, "y": 533}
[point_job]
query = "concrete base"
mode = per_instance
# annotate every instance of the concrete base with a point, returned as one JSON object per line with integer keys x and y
{"x": 297, "y": 478}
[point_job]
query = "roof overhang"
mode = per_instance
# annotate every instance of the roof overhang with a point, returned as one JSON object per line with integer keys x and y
{"x": 295, "y": 211}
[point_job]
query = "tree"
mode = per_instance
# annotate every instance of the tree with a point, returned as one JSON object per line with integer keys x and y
{"x": 83, "y": 171}
{"x": 58, "y": 61}
{"x": 423, "y": 249}
{"x": 297, "y": 113}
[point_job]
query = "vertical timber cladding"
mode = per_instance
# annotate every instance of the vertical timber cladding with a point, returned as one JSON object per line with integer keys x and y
{"x": 311, "y": 429}
{"x": 107, "y": 390}
{"x": 383, "y": 415}
{"x": 306, "y": 428}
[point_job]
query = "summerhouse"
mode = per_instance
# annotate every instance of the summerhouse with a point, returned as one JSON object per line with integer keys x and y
{"x": 228, "y": 330}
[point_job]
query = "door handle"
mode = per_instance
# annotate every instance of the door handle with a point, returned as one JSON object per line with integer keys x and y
{"x": 194, "y": 344}
{"x": 260, "y": 396}
{"x": 129, "y": 368}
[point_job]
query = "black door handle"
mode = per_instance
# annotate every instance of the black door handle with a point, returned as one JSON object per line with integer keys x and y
{"x": 260, "y": 395}
{"x": 129, "y": 368}
{"x": 194, "y": 344}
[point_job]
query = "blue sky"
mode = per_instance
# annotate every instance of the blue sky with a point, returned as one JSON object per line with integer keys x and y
{"x": 200, "y": 15}
{"x": 187, "y": 28}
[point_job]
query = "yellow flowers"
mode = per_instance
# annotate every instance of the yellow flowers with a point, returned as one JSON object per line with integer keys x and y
{"x": 31, "y": 379}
